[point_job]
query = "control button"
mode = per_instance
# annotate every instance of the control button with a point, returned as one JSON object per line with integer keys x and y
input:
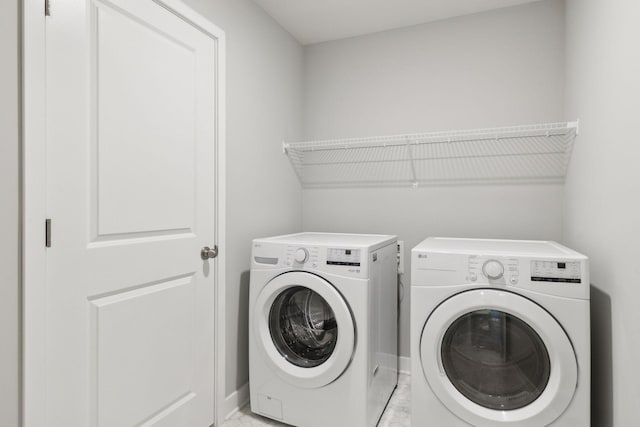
{"x": 493, "y": 269}
{"x": 473, "y": 277}
{"x": 514, "y": 280}
{"x": 301, "y": 255}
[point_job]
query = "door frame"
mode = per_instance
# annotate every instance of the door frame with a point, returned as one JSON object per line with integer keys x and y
{"x": 34, "y": 210}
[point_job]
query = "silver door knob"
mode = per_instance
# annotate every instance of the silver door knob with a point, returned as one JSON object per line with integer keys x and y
{"x": 208, "y": 252}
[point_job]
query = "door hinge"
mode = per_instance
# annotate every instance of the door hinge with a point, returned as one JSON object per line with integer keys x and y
{"x": 47, "y": 233}
{"x": 47, "y": 7}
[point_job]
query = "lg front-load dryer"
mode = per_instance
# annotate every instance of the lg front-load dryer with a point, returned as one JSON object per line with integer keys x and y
{"x": 499, "y": 334}
{"x": 323, "y": 328}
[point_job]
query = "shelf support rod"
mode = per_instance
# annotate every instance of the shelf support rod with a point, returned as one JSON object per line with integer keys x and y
{"x": 413, "y": 166}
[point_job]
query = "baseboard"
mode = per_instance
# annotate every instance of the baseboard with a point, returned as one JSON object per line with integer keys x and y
{"x": 404, "y": 365}
{"x": 236, "y": 400}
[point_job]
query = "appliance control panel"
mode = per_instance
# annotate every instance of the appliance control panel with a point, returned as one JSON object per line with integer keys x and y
{"x": 543, "y": 274}
{"x": 337, "y": 260}
{"x": 555, "y": 271}
{"x": 514, "y": 271}
{"x": 342, "y": 256}
{"x": 345, "y": 261}
{"x": 502, "y": 270}
{"x": 299, "y": 256}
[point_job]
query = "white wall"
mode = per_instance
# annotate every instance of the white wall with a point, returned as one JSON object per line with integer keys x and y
{"x": 264, "y": 81}
{"x": 603, "y": 193}
{"x": 9, "y": 213}
{"x": 498, "y": 68}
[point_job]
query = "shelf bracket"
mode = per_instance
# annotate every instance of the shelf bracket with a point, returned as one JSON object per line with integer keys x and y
{"x": 576, "y": 125}
{"x": 413, "y": 166}
{"x": 285, "y": 147}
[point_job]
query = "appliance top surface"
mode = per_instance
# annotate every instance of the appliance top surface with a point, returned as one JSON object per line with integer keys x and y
{"x": 533, "y": 248}
{"x": 332, "y": 239}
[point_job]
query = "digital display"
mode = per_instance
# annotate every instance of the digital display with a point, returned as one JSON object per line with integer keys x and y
{"x": 348, "y": 257}
{"x": 555, "y": 271}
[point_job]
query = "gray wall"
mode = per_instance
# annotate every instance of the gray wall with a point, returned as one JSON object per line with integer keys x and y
{"x": 9, "y": 213}
{"x": 264, "y": 89}
{"x": 603, "y": 193}
{"x": 498, "y": 68}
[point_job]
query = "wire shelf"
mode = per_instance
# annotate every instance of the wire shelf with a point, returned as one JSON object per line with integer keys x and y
{"x": 522, "y": 154}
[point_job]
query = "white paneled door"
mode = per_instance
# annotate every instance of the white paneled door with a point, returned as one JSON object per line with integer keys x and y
{"x": 131, "y": 146}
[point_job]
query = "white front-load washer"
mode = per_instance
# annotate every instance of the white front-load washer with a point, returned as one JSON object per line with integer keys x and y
{"x": 499, "y": 334}
{"x": 323, "y": 328}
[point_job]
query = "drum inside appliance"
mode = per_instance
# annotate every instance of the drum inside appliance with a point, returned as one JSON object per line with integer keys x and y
{"x": 303, "y": 327}
{"x": 495, "y": 360}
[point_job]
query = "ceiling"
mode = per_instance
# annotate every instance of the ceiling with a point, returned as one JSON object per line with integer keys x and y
{"x": 314, "y": 21}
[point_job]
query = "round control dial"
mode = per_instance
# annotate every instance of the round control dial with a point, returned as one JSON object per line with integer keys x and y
{"x": 301, "y": 255}
{"x": 493, "y": 269}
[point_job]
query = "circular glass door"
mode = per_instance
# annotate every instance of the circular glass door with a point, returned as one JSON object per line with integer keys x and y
{"x": 495, "y": 358}
{"x": 303, "y": 327}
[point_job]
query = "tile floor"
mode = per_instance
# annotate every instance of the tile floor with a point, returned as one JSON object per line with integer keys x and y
{"x": 397, "y": 413}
